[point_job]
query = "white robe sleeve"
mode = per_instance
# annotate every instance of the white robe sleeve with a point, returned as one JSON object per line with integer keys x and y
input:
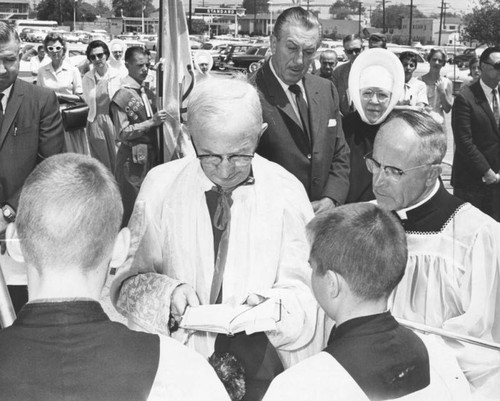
{"x": 184, "y": 375}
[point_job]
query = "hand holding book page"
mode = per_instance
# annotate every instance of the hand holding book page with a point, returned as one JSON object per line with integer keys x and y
{"x": 229, "y": 319}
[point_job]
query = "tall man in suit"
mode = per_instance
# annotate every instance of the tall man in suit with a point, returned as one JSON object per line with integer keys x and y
{"x": 30, "y": 131}
{"x": 475, "y": 119}
{"x": 304, "y": 132}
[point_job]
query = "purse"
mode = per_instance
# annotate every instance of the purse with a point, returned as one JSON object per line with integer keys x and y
{"x": 74, "y": 116}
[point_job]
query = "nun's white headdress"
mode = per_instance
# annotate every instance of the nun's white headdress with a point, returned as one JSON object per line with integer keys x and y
{"x": 378, "y": 68}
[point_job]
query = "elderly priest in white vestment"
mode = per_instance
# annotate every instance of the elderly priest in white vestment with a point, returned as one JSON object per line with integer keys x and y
{"x": 452, "y": 280}
{"x": 220, "y": 227}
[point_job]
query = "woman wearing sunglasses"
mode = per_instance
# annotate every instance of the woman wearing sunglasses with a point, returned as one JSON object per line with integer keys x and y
{"x": 60, "y": 76}
{"x": 99, "y": 86}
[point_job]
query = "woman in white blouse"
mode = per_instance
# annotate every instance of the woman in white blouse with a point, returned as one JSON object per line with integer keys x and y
{"x": 66, "y": 81}
{"x": 99, "y": 86}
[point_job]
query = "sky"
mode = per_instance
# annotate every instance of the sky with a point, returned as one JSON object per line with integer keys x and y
{"x": 426, "y": 6}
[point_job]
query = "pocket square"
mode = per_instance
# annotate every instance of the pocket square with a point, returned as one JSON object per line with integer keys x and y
{"x": 332, "y": 122}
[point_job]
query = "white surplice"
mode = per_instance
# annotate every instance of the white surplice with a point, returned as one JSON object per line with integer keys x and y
{"x": 267, "y": 252}
{"x": 452, "y": 281}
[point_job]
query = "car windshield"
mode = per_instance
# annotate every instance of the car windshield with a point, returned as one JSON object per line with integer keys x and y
{"x": 252, "y": 50}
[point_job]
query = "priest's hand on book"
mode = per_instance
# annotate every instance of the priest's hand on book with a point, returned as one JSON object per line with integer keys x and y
{"x": 182, "y": 297}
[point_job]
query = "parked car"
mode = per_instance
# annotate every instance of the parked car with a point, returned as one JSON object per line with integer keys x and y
{"x": 226, "y": 55}
{"x": 250, "y": 60}
{"x": 37, "y": 35}
{"x": 70, "y": 37}
{"x": 462, "y": 60}
{"x": 150, "y": 41}
{"x": 82, "y": 36}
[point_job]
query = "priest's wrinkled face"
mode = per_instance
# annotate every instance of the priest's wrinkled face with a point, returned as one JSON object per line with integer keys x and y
{"x": 400, "y": 178}
{"x": 374, "y": 102}
{"x": 224, "y": 120}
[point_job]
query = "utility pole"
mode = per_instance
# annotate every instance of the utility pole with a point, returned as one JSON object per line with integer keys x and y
{"x": 359, "y": 24}
{"x": 254, "y": 15}
{"x": 445, "y": 5}
{"x": 383, "y": 16}
{"x": 441, "y": 22}
{"x": 411, "y": 23}
{"x": 190, "y": 23}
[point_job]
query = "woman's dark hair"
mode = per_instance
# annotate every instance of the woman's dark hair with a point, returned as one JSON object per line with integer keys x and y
{"x": 94, "y": 45}
{"x": 54, "y": 37}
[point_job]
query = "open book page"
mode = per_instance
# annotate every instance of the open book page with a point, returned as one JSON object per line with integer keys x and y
{"x": 227, "y": 319}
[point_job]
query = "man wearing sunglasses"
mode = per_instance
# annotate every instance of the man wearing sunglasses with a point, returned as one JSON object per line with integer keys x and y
{"x": 475, "y": 122}
{"x": 452, "y": 278}
{"x": 353, "y": 46}
{"x": 415, "y": 90}
{"x": 30, "y": 131}
{"x": 216, "y": 229}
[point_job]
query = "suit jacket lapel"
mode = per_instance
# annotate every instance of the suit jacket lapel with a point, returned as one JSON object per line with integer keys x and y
{"x": 481, "y": 99}
{"x": 13, "y": 104}
{"x": 277, "y": 97}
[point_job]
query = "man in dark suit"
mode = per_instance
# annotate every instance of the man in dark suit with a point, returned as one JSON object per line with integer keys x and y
{"x": 30, "y": 130}
{"x": 304, "y": 133}
{"x": 353, "y": 46}
{"x": 475, "y": 123}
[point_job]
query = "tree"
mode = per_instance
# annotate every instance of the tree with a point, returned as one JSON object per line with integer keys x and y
{"x": 62, "y": 10}
{"x": 102, "y": 9}
{"x": 483, "y": 24}
{"x": 86, "y": 12}
{"x": 251, "y": 5}
{"x": 342, "y": 9}
{"x": 393, "y": 16}
{"x": 132, "y": 8}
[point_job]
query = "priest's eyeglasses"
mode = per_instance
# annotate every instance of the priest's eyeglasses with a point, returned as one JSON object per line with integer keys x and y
{"x": 216, "y": 160}
{"x": 390, "y": 172}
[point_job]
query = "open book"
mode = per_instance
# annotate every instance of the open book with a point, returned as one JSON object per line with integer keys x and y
{"x": 227, "y": 319}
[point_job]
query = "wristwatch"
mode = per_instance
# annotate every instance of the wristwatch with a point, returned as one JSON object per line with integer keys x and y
{"x": 8, "y": 212}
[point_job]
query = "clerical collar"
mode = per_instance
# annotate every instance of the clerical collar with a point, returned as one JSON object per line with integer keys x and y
{"x": 403, "y": 212}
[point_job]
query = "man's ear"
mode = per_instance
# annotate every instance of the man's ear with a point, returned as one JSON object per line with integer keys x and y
{"x": 120, "y": 249}
{"x": 263, "y": 129}
{"x": 274, "y": 41}
{"x": 434, "y": 173}
{"x": 13, "y": 243}
{"x": 333, "y": 283}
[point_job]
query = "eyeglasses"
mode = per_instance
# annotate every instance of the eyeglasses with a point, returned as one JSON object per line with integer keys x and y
{"x": 391, "y": 173}
{"x": 356, "y": 50}
{"x": 332, "y": 63}
{"x": 496, "y": 66}
{"x": 382, "y": 97}
{"x": 117, "y": 52}
{"x": 216, "y": 160}
{"x": 409, "y": 65}
{"x": 54, "y": 48}
{"x": 94, "y": 57}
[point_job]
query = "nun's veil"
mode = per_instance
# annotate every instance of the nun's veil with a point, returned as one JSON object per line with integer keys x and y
{"x": 376, "y": 68}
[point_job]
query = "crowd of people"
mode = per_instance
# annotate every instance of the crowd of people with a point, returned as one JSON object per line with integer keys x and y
{"x": 320, "y": 192}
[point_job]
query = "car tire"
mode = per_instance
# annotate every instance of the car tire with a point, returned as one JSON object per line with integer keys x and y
{"x": 253, "y": 67}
